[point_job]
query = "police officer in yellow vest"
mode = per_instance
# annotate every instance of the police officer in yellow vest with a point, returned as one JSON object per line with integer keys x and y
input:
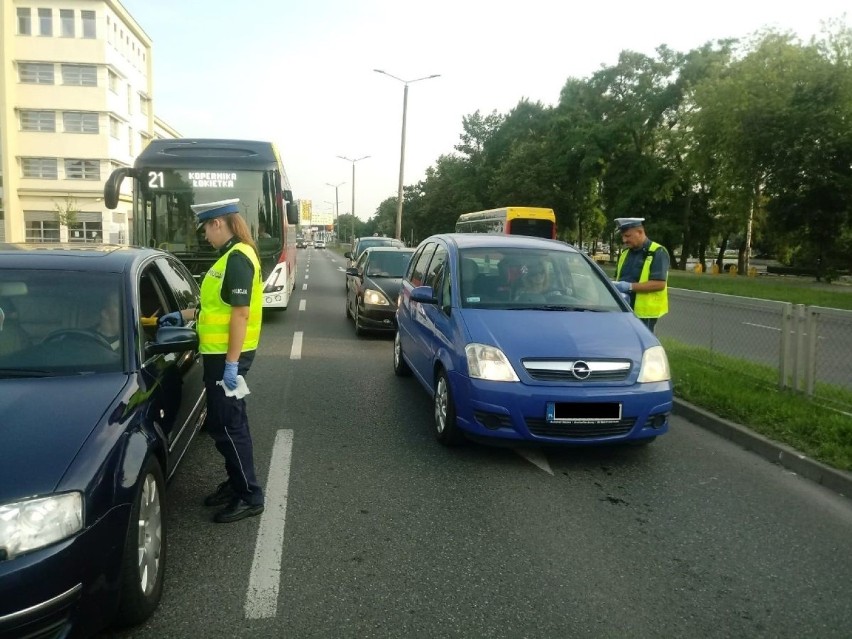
{"x": 228, "y": 332}
{"x": 642, "y": 271}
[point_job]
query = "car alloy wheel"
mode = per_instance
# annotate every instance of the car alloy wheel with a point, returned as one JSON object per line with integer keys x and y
{"x": 446, "y": 429}
{"x": 144, "y": 560}
{"x": 400, "y": 367}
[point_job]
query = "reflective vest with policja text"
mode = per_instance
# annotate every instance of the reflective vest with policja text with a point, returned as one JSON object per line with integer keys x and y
{"x": 214, "y": 320}
{"x": 655, "y": 303}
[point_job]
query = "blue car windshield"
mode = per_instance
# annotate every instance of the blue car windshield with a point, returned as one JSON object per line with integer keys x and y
{"x": 532, "y": 278}
{"x": 55, "y": 323}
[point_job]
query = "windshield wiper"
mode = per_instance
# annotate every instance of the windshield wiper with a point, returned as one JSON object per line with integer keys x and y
{"x": 551, "y": 307}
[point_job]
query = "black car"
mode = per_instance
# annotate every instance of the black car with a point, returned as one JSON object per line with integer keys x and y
{"x": 361, "y": 244}
{"x": 374, "y": 287}
{"x": 97, "y": 408}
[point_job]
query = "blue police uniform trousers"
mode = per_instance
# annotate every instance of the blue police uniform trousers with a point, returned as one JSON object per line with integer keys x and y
{"x": 227, "y": 424}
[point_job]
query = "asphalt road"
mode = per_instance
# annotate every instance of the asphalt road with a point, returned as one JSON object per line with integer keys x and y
{"x": 372, "y": 529}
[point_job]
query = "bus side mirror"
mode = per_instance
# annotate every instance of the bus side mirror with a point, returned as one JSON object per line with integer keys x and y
{"x": 112, "y": 187}
{"x": 292, "y": 208}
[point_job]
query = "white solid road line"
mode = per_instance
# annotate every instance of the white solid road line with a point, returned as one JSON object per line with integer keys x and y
{"x": 296, "y": 349}
{"x": 262, "y": 595}
{"x": 302, "y": 304}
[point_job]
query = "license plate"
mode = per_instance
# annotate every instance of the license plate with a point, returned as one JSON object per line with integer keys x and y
{"x": 583, "y": 412}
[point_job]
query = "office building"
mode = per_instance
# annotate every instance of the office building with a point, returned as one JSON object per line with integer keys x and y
{"x": 75, "y": 103}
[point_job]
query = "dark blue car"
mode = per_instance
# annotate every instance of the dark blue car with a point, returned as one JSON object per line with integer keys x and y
{"x": 97, "y": 407}
{"x": 520, "y": 339}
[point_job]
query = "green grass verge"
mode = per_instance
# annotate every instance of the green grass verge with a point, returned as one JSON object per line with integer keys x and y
{"x": 747, "y": 393}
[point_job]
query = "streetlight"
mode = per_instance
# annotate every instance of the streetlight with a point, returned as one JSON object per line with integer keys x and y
{"x": 336, "y": 200}
{"x": 402, "y": 145}
{"x": 343, "y": 157}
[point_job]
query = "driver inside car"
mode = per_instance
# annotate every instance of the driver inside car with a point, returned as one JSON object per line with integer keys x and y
{"x": 109, "y": 322}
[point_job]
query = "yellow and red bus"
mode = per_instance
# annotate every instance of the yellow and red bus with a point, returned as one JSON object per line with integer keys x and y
{"x": 511, "y": 220}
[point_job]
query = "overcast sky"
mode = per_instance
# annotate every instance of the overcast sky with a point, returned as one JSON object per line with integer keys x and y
{"x": 300, "y": 72}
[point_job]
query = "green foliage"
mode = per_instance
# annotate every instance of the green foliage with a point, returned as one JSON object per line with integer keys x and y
{"x": 732, "y": 144}
{"x": 66, "y": 211}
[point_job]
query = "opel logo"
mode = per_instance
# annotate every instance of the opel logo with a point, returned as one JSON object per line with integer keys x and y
{"x": 581, "y": 370}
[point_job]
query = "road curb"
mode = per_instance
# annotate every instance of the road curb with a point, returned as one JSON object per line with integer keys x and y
{"x": 837, "y": 480}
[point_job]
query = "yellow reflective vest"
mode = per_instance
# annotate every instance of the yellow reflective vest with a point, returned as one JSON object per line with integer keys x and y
{"x": 655, "y": 303}
{"x": 214, "y": 320}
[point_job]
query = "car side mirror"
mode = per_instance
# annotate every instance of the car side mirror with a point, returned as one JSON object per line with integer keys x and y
{"x": 348, "y": 255}
{"x": 173, "y": 339}
{"x": 352, "y": 271}
{"x": 423, "y": 294}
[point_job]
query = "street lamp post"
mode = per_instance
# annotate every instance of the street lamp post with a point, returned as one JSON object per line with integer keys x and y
{"x": 402, "y": 144}
{"x": 343, "y": 157}
{"x": 336, "y": 201}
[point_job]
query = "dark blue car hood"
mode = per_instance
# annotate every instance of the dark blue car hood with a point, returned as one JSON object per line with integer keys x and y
{"x": 44, "y": 423}
{"x": 554, "y": 334}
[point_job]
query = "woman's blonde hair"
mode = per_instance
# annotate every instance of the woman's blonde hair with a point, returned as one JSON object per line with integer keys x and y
{"x": 237, "y": 225}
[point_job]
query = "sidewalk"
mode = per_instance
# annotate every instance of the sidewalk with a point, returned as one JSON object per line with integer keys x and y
{"x": 837, "y": 480}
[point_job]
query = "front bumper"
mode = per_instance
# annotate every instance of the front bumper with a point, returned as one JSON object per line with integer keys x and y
{"x": 513, "y": 411}
{"x": 378, "y": 318}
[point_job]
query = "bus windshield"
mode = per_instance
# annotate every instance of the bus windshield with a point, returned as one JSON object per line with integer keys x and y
{"x": 163, "y": 217}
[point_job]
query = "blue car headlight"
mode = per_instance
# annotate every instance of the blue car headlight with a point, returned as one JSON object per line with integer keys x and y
{"x": 374, "y": 297}
{"x": 655, "y": 366}
{"x": 488, "y": 362}
{"x": 34, "y": 523}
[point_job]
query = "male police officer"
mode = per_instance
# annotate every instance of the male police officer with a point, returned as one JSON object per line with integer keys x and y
{"x": 642, "y": 271}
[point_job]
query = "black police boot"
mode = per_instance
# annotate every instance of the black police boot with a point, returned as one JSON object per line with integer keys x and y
{"x": 224, "y": 494}
{"x": 236, "y": 510}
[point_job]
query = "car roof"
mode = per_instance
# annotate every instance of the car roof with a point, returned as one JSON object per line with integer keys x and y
{"x": 497, "y": 240}
{"x": 78, "y": 257}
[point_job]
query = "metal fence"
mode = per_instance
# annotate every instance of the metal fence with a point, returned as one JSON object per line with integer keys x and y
{"x": 810, "y": 347}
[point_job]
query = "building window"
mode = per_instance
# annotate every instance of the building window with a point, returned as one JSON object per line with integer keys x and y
{"x": 88, "y": 24}
{"x": 40, "y": 168}
{"x": 92, "y": 232}
{"x": 82, "y": 75}
{"x": 32, "y": 120}
{"x": 42, "y": 231}
{"x": 143, "y": 104}
{"x": 45, "y": 22}
{"x": 113, "y": 80}
{"x": 25, "y": 21}
{"x": 66, "y": 22}
{"x": 114, "y": 127}
{"x": 80, "y": 122}
{"x": 82, "y": 169}
{"x": 35, "y": 73}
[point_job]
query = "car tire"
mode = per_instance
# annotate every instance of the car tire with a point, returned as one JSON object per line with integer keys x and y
{"x": 359, "y": 330}
{"x": 400, "y": 367}
{"x": 348, "y": 312}
{"x": 144, "y": 560}
{"x": 446, "y": 430}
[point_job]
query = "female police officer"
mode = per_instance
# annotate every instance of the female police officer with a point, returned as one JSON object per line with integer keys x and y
{"x": 228, "y": 331}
